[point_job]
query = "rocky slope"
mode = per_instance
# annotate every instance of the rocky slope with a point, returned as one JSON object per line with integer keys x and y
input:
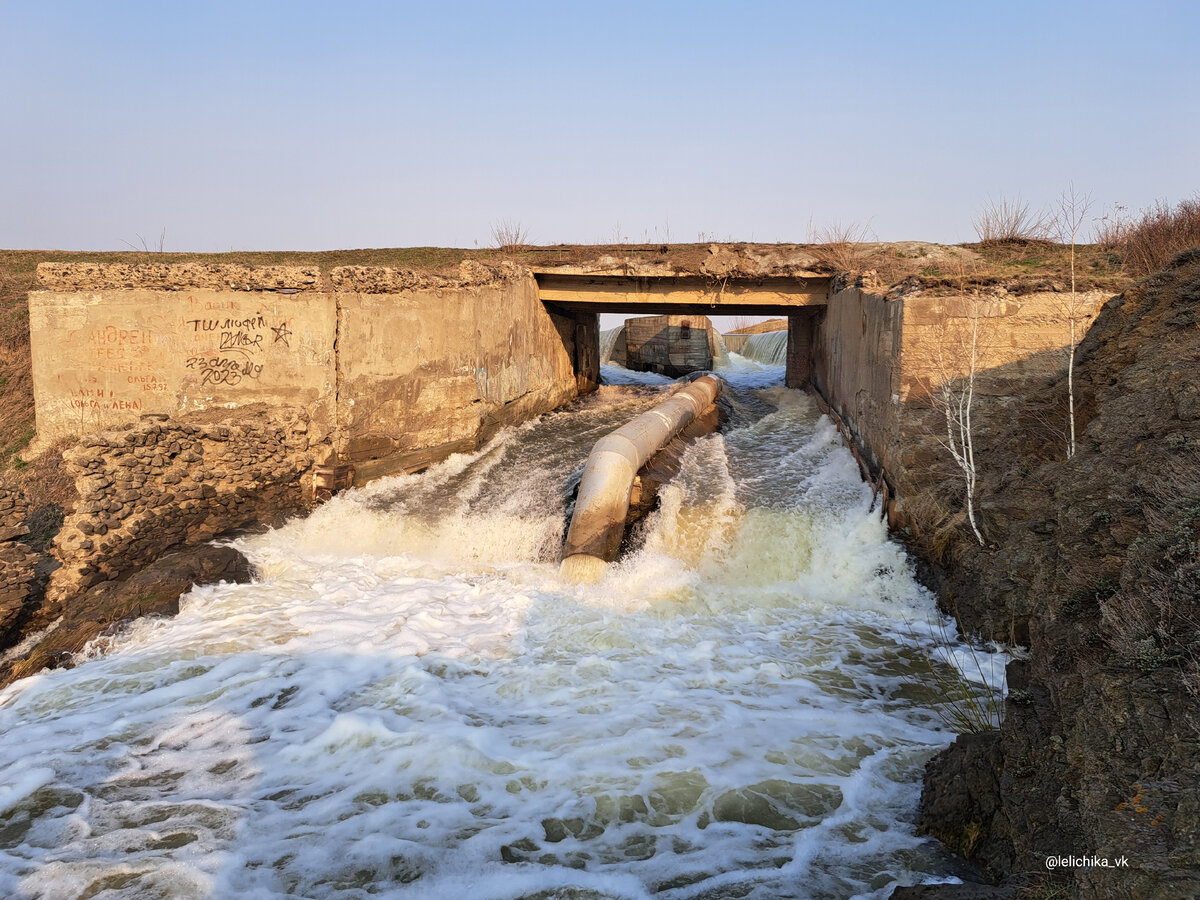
{"x": 1095, "y": 562}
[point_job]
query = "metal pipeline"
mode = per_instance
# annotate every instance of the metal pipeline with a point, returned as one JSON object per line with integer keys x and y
{"x": 594, "y": 536}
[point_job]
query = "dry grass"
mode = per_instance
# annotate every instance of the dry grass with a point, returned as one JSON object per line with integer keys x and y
{"x": 1006, "y": 221}
{"x": 842, "y": 248}
{"x": 51, "y": 494}
{"x": 16, "y": 382}
{"x": 1149, "y": 241}
{"x": 146, "y": 246}
{"x": 737, "y": 323}
{"x": 1023, "y": 266}
{"x": 509, "y": 236}
{"x": 967, "y": 707}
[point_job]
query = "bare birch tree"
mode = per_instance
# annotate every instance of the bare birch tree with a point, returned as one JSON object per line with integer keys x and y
{"x": 953, "y": 366}
{"x": 1068, "y": 219}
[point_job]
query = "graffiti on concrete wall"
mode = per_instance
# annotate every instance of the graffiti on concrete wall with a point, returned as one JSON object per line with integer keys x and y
{"x": 223, "y": 370}
{"x": 236, "y": 346}
{"x": 183, "y": 351}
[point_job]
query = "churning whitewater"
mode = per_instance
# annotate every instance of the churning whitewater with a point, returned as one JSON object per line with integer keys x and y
{"x": 408, "y": 703}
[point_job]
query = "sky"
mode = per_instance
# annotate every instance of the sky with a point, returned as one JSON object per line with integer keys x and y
{"x": 306, "y": 126}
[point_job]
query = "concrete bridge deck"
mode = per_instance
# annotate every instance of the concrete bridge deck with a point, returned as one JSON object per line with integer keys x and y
{"x": 687, "y": 294}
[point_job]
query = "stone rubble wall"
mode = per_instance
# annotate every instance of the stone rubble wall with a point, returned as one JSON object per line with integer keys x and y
{"x": 17, "y": 559}
{"x": 70, "y": 277}
{"x": 385, "y": 280}
{"x": 163, "y": 484}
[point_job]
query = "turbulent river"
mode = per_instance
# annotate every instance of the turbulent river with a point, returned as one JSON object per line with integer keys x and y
{"x": 407, "y": 702}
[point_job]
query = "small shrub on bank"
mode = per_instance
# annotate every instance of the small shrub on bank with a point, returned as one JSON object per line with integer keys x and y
{"x": 1008, "y": 221}
{"x": 1154, "y": 238}
{"x": 842, "y": 248}
{"x": 509, "y": 236}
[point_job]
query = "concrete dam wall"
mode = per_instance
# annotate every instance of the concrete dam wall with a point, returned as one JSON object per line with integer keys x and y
{"x": 203, "y": 398}
{"x": 878, "y": 359}
{"x": 230, "y": 393}
{"x": 217, "y": 394}
{"x": 391, "y": 370}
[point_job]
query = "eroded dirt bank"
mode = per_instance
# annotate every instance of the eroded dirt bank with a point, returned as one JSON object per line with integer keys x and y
{"x": 1095, "y": 561}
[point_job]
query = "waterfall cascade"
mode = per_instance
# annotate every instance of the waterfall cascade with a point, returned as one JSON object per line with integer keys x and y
{"x": 769, "y": 348}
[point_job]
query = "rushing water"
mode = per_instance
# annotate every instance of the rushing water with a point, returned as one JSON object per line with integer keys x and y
{"x": 408, "y": 703}
{"x": 769, "y": 348}
{"x": 608, "y": 341}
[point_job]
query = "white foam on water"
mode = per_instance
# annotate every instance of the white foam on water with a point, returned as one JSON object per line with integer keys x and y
{"x": 610, "y": 373}
{"x": 408, "y": 703}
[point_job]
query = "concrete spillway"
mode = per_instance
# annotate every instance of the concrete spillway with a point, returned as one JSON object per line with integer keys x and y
{"x": 769, "y": 348}
{"x": 598, "y": 524}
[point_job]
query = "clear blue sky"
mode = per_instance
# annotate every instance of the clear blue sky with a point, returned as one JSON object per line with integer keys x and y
{"x": 288, "y": 125}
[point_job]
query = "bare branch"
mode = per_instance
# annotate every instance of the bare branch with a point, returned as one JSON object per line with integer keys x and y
{"x": 841, "y": 247}
{"x": 1006, "y": 220}
{"x": 509, "y": 236}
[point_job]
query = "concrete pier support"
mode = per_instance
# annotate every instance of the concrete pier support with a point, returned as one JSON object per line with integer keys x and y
{"x": 580, "y": 333}
{"x": 587, "y": 351}
{"x": 802, "y": 331}
{"x": 596, "y": 529}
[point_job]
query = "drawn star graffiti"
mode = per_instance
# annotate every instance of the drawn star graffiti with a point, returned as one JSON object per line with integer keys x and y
{"x": 281, "y": 334}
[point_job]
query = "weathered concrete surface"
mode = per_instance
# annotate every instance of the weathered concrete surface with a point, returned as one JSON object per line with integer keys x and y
{"x": 858, "y": 365}
{"x": 735, "y": 340}
{"x": 1015, "y": 334}
{"x": 682, "y": 294}
{"x": 750, "y": 261}
{"x": 877, "y": 357}
{"x": 102, "y": 358}
{"x": 801, "y": 347}
{"x": 614, "y": 351}
{"x": 579, "y": 331}
{"x": 392, "y": 370}
{"x": 443, "y": 368}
